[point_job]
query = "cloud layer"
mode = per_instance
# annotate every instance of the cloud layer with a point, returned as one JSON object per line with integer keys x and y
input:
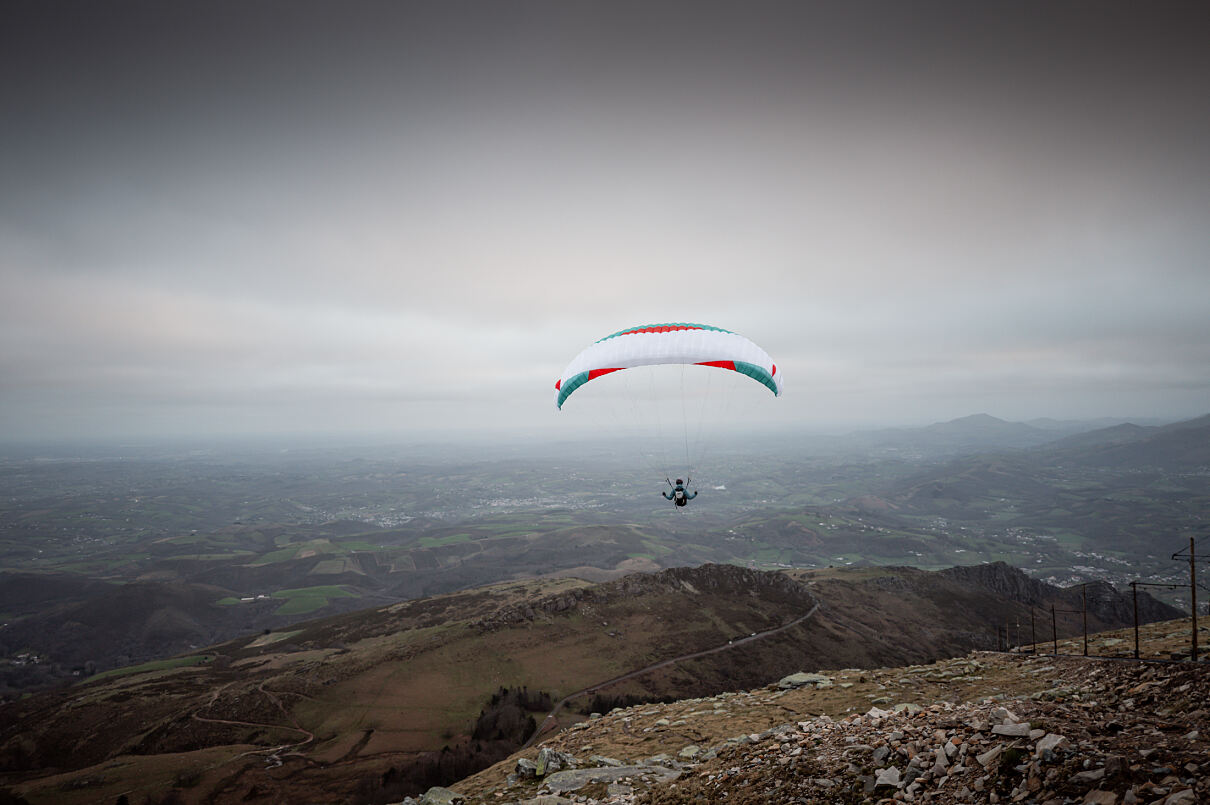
{"x": 232, "y": 218}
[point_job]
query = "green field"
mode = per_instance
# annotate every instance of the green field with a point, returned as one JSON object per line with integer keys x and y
{"x": 157, "y": 665}
{"x": 302, "y": 600}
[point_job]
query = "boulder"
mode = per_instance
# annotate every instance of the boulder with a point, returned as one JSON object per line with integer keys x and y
{"x": 441, "y": 796}
{"x": 801, "y": 679}
{"x": 551, "y": 760}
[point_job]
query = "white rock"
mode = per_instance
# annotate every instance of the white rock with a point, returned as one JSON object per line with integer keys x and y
{"x": 990, "y": 756}
{"x": 1051, "y": 741}
{"x": 1002, "y": 715}
{"x": 1086, "y": 777}
{"x": 888, "y": 776}
{"x": 1012, "y": 730}
{"x": 941, "y": 763}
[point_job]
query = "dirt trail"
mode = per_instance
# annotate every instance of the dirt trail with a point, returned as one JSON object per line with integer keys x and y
{"x": 550, "y": 718}
{"x": 293, "y": 726}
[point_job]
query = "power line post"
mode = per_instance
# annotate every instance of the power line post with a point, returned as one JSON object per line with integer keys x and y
{"x": 1192, "y": 597}
{"x": 1134, "y": 585}
{"x": 1054, "y": 625}
{"x": 1084, "y": 610}
{"x": 1054, "y": 629}
{"x": 1193, "y": 601}
{"x": 1134, "y": 592}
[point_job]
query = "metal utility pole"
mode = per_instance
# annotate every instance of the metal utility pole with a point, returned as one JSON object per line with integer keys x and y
{"x": 1192, "y": 599}
{"x": 1084, "y": 609}
{"x": 1134, "y": 585}
{"x": 1134, "y": 591}
{"x": 1054, "y": 628}
{"x": 1054, "y": 625}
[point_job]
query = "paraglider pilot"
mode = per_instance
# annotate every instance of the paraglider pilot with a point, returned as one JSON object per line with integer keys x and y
{"x": 678, "y": 495}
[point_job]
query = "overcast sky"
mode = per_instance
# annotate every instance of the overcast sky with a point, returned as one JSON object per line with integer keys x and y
{"x": 284, "y": 216}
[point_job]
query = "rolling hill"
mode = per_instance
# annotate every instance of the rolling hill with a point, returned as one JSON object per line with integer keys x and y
{"x": 332, "y": 709}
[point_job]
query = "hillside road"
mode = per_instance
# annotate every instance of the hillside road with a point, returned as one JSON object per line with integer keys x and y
{"x": 730, "y": 644}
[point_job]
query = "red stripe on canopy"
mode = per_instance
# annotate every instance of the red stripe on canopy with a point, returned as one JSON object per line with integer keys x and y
{"x": 593, "y": 374}
{"x": 720, "y": 364}
{"x": 658, "y": 330}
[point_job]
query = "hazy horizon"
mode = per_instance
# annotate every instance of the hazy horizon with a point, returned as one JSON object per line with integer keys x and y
{"x": 781, "y": 438}
{"x": 230, "y": 218}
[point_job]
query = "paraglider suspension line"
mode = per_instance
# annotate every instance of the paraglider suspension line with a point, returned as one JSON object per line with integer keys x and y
{"x": 685, "y": 418}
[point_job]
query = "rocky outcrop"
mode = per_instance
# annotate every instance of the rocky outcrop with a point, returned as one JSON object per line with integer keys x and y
{"x": 1105, "y": 732}
{"x": 1047, "y": 748}
{"x": 1001, "y": 579}
{"x": 1105, "y": 602}
{"x": 1111, "y": 606}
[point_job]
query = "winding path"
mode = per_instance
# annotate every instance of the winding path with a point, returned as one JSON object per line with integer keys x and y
{"x": 549, "y": 720}
{"x": 270, "y": 751}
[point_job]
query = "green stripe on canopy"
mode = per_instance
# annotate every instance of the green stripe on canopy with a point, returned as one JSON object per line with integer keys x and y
{"x": 571, "y": 385}
{"x": 667, "y": 324}
{"x": 758, "y": 373}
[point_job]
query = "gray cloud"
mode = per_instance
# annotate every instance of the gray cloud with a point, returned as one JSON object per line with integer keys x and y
{"x": 233, "y": 217}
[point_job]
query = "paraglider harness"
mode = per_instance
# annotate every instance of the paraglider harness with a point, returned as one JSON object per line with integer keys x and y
{"x": 678, "y": 495}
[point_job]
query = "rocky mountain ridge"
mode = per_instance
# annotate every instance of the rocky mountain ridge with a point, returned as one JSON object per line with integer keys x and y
{"x": 988, "y": 727}
{"x": 1104, "y": 601}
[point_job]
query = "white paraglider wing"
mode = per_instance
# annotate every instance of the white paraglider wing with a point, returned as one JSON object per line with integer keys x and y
{"x": 677, "y": 343}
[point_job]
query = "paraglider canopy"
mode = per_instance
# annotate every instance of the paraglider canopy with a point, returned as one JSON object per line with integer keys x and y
{"x": 674, "y": 343}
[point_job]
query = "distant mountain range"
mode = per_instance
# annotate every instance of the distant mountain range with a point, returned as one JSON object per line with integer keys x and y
{"x": 1120, "y": 488}
{"x": 981, "y": 432}
{"x": 1180, "y": 445}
